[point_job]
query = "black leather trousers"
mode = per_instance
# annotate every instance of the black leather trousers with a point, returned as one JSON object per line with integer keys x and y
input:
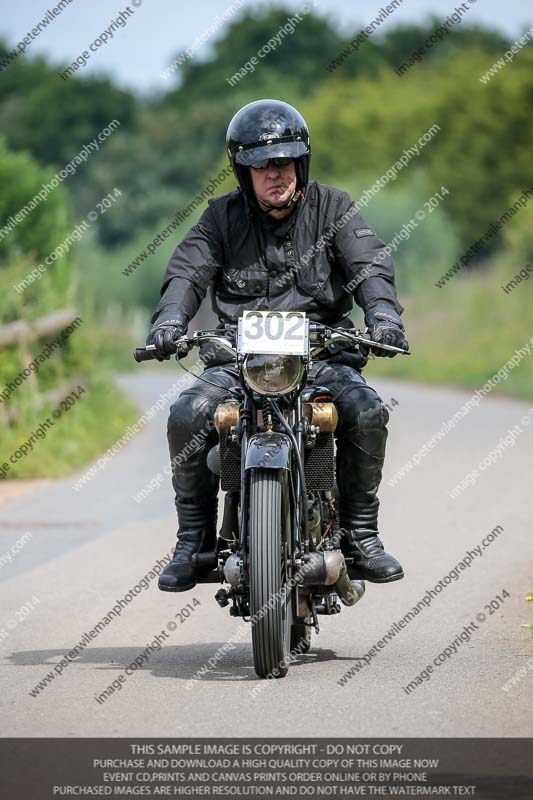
{"x": 361, "y": 437}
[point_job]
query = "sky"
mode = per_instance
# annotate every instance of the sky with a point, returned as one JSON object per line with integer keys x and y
{"x": 156, "y": 30}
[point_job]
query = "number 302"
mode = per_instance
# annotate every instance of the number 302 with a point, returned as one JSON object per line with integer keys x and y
{"x": 289, "y": 327}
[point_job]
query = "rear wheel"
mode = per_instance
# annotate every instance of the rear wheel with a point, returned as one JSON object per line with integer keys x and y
{"x": 271, "y": 602}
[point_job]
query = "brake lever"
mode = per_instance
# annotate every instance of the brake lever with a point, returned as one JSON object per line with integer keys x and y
{"x": 183, "y": 347}
{"x": 367, "y": 342}
{"x": 203, "y": 337}
{"x": 363, "y": 339}
{"x": 360, "y": 339}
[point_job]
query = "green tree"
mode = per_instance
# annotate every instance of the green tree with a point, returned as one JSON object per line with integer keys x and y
{"x": 401, "y": 41}
{"x": 26, "y": 244}
{"x": 292, "y": 68}
{"x": 481, "y": 153}
{"x": 53, "y": 118}
{"x": 159, "y": 168}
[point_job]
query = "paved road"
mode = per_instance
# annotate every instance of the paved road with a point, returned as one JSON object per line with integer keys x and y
{"x": 87, "y": 549}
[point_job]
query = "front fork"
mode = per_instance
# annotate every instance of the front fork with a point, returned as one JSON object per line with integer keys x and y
{"x": 269, "y": 450}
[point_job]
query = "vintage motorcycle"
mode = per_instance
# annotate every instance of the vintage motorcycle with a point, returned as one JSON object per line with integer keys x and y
{"x": 278, "y": 549}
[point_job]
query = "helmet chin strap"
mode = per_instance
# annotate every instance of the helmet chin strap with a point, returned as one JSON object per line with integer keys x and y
{"x": 266, "y": 207}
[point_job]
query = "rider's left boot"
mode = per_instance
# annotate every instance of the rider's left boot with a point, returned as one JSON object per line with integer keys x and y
{"x": 359, "y": 507}
{"x": 361, "y": 440}
{"x": 370, "y": 560}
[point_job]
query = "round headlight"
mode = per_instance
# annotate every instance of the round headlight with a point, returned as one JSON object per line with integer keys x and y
{"x": 269, "y": 374}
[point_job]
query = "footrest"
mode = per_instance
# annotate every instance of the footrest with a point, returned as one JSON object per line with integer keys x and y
{"x": 204, "y": 561}
{"x": 214, "y": 576}
{"x": 333, "y": 608}
{"x": 354, "y": 570}
{"x": 206, "y": 569}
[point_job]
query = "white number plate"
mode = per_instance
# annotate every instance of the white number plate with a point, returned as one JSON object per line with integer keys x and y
{"x": 273, "y": 332}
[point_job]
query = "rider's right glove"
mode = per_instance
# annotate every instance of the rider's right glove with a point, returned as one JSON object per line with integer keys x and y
{"x": 168, "y": 327}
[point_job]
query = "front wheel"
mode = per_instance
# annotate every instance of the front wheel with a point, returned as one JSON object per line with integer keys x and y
{"x": 271, "y": 601}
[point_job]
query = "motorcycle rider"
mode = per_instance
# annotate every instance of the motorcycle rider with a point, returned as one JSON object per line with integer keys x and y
{"x": 280, "y": 242}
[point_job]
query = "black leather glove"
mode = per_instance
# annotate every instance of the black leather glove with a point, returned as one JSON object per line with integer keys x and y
{"x": 384, "y": 325}
{"x": 168, "y": 327}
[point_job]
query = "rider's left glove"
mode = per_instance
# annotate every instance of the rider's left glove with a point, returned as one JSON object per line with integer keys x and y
{"x": 385, "y": 326}
{"x": 167, "y": 328}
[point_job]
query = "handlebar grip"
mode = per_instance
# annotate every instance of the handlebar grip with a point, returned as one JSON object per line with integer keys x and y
{"x": 142, "y": 354}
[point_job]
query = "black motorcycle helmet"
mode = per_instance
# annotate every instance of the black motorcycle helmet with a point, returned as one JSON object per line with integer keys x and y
{"x": 266, "y": 129}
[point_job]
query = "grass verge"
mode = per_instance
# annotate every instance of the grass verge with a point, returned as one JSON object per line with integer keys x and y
{"x": 463, "y": 334}
{"x": 83, "y": 432}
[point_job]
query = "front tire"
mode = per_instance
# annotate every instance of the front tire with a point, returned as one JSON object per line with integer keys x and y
{"x": 271, "y": 603}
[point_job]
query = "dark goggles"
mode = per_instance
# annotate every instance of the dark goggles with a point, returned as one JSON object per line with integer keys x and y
{"x": 280, "y": 161}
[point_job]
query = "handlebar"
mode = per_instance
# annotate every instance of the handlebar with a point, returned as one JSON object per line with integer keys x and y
{"x": 147, "y": 353}
{"x": 220, "y": 337}
{"x": 144, "y": 353}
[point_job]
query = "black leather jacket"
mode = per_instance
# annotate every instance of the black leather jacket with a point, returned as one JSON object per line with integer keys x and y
{"x": 317, "y": 260}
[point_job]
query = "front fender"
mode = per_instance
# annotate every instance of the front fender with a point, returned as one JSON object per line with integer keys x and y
{"x": 269, "y": 451}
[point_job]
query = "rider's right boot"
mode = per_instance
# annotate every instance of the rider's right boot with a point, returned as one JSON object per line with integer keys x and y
{"x": 197, "y": 533}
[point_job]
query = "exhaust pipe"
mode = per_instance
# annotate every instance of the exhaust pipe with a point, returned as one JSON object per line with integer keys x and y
{"x": 329, "y": 568}
{"x": 350, "y": 592}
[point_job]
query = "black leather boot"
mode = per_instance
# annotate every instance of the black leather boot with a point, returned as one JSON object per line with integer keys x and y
{"x": 370, "y": 561}
{"x": 360, "y": 540}
{"x": 360, "y": 456}
{"x": 197, "y": 533}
